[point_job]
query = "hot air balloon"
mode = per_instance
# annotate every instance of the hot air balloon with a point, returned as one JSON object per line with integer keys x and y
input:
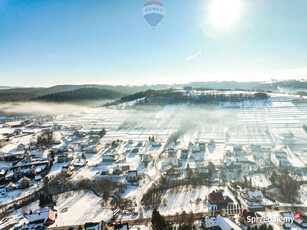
{"x": 153, "y": 12}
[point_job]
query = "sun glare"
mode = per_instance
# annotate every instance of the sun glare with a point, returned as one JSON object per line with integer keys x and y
{"x": 224, "y": 13}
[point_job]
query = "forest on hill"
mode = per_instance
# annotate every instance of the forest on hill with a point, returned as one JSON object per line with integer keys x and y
{"x": 81, "y": 94}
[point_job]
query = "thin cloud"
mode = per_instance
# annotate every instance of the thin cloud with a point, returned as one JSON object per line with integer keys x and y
{"x": 193, "y": 56}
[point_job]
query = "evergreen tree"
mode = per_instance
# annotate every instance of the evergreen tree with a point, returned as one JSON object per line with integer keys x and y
{"x": 158, "y": 221}
{"x": 102, "y": 133}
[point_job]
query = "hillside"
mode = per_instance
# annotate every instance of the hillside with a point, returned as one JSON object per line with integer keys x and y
{"x": 24, "y": 94}
{"x": 12, "y": 97}
{"x": 40, "y": 91}
{"x": 81, "y": 94}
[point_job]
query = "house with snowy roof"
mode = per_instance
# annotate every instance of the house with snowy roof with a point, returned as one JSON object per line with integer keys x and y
{"x": 44, "y": 216}
{"x": 117, "y": 170}
{"x": 21, "y": 146}
{"x": 219, "y": 223}
{"x": 10, "y": 187}
{"x": 184, "y": 153}
{"x": 93, "y": 149}
{"x": 217, "y": 197}
{"x": 252, "y": 196}
{"x": 66, "y": 170}
{"x": 109, "y": 157}
{"x": 171, "y": 152}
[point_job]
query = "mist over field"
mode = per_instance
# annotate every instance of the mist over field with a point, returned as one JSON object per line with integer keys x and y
{"x": 39, "y": 108}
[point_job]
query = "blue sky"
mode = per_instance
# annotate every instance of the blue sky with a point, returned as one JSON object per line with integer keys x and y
{"x": 50, "y": 42}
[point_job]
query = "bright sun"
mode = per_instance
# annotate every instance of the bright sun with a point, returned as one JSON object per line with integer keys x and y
{"x": 224, "y": 13}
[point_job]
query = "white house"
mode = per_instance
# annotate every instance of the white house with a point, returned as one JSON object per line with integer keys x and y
{"x": 219, "y": 223}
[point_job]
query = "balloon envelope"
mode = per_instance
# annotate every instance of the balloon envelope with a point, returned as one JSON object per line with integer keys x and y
{"x": 153, "y": 12}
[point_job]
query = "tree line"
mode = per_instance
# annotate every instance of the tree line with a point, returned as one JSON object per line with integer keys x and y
{"x": 81, "y": 94}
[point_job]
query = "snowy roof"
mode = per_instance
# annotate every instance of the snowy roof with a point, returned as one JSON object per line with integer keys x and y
{"x": 132, "y": 173}
{"x": 104, "y": 170}
{"x": 223, "y": 223}
{"x": 11, "y": 184}
{"x": 168, "y": 167}
{"x": 255, "y": 193}
{"x": 210, "y": 222}
{"x": 41, "y": 215}
{"x": 107, "y": 157}
{"x": 117, "y": 167}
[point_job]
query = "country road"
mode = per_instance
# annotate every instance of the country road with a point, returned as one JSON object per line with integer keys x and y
{"x": 148, "y": 185}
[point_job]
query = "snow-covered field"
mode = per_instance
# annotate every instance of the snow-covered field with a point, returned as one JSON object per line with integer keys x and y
{"x": 189, "y": 199}
{"x": 77, "y": 208}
